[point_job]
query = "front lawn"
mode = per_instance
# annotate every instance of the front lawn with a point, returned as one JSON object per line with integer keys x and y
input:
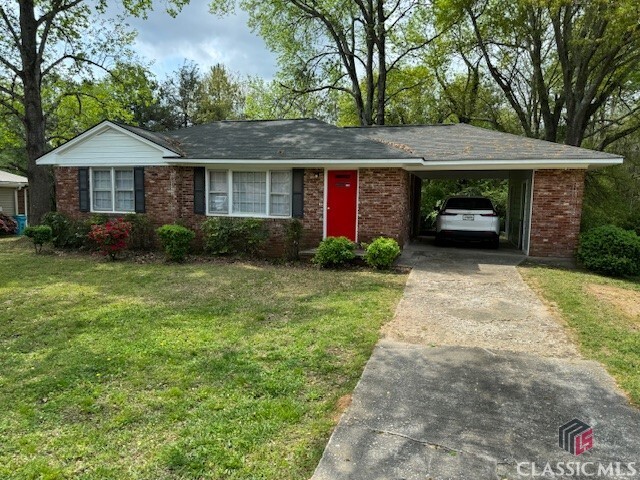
{"x": 152, "y": 371}
{"x": 604, "y": 314}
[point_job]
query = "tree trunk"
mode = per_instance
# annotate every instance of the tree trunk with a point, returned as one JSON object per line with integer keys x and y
{"x": 40, "y": 181}
{"x": 381, "y": 35}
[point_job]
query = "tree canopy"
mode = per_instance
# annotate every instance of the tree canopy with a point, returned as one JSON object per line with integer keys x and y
{"x": 43, "y": 42}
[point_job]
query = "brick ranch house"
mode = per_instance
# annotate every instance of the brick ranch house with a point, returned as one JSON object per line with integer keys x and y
{"x": 358, "y": 182}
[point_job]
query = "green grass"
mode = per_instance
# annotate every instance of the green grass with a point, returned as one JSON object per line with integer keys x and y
{"x": 603, "y": 331}
{"x": 213, "y": 370}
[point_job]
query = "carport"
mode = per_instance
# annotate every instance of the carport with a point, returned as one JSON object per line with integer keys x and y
{"x": 546, "y": 180}
{"x": 518, "y": 215}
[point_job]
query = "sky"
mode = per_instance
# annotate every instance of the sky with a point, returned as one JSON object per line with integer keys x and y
{"x": 196, "y": 34}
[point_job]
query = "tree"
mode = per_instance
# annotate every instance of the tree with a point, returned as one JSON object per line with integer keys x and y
{"x": 266, "y": 100}
{"x": 220, "y": 96}
{"x": 557, "y": 62}
{"x": 349, "y": 46}
{"x": 51, "y": 39}
{"x": 180, "y": 94}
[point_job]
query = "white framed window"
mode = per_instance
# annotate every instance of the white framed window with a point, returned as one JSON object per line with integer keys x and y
{"x": 280, "y": 194}
{"x": 249, "y": 193}
{"x": 218, "y": 192}
{"x": 265, "y": 193}
{"x": 112, "y": 190}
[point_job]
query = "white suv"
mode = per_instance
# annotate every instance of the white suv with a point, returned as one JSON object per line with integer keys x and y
{"x": 468, "y": 218}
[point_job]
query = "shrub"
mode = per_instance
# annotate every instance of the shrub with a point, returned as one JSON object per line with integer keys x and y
{"x": 224, "y": 236}
{"x": 111, "y": 238}
{"x": 610, "y": 250}
{"x": 293, "y": 235}
{"x": 67, "y": 233}
{"x": 98, "y": 219}
{"x": 334, "y": 252}
{"x": 176, "y": 241}
{"x": 143, "y": 234}
{"x": 381, "y": 253}
{"x": 8, "y": 225}
{"x": 40, "y": 235}
{"x": 218, "y": 232}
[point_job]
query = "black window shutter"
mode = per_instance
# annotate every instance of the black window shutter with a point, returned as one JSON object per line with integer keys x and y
{"x": 83, "y": 189}
{"x": 198, "y": 190}
{"x": 138, "y": 185}
{"x": 297, "y": 193}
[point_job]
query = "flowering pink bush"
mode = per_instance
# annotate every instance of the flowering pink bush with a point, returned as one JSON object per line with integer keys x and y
{"x": 7, "y": 224}
{"x": 111, "y": 238}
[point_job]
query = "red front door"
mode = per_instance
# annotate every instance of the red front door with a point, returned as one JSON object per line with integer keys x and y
{"x": 342, "y": 194}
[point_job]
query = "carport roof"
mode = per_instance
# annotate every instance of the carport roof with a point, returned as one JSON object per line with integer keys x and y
{"x": 462, "y": 142}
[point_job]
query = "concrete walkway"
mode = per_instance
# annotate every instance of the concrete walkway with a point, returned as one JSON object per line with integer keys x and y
{"x": 472, "y": 381}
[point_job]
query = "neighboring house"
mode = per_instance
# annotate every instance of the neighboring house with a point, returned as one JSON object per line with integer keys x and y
{"x": 13, "y": 194}
{"x": 356, "y": 182}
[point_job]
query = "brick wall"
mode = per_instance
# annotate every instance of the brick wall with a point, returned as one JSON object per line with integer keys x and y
{"x": 21, "y": 205}
{"x": 67, "y": 201}
{"x": 169, "y": 197}
{"x": 556, "y": 212}
{"x": 383, "y": 204}
{"x": 313, "y": 219}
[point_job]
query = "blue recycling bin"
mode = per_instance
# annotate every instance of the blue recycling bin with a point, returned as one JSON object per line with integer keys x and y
{"x": 21, "y": 220}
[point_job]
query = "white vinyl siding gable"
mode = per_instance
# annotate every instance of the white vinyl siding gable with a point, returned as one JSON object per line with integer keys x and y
{"x": 113, "y": 148}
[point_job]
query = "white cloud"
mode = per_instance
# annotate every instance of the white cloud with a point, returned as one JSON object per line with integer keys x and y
{"x": 197, "y": 35}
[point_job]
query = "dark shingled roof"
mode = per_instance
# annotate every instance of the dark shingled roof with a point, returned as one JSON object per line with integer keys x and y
{"x": 271, "y": 140}
{"x": 155, "y": 137}
{"x": 466, "y": 142}
{"x": 310, "y": 139}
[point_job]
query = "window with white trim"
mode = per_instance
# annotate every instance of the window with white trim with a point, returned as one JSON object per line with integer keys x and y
{"x": 249, "y": 193}
{"x": 218, "y": 192}
{"x": 280, "y": 193}
{"x": 112, "y": 190}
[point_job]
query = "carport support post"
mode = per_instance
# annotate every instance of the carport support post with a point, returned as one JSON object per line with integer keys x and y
{"x": 556, "y": 212}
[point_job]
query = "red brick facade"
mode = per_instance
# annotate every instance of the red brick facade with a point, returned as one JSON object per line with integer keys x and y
{"x": 383, "y": 208}
{"x": 383, "y": 204}
{"x": 21, "y": 206}
{"x": 556, "y": 212}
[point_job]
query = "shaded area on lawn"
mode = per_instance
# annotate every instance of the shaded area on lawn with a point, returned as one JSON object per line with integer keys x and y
{"x": 119, "y": 370}
{"x": 604, "y": 331}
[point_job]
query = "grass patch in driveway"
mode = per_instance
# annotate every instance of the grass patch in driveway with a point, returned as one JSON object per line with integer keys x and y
{"x": 602, "y": 314}
{"x": 119, "y": 370}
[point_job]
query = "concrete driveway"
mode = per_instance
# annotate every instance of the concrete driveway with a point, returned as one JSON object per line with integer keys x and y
{"x": 472, "y": 380}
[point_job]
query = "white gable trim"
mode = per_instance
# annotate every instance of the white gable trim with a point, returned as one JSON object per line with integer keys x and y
{"x": 53, "y": 157}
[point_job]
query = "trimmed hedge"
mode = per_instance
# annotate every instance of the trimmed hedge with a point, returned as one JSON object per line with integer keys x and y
{"x": 381, "y": 253}
{"x": 334, "y": 252}
{"x": 610, "y": 250}
{"x": 234, "y": 236}
{"x": 40, "y": 235}
{"x": 176, "y": 241}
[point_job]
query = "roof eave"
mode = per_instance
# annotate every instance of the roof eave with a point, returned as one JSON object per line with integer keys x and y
{"x": 524, "y": 164}
{"x": 13, "y": 184}
{"x": 380, "y": 162}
